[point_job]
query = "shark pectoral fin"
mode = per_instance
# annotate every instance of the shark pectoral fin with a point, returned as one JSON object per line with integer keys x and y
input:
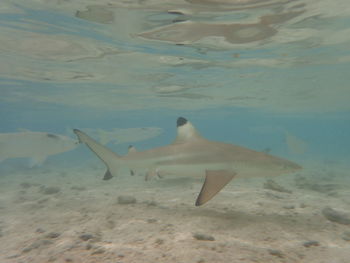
{"x": 152, "y": 173}
{"x": 215, "y": 180}
{"x": 149, "y": 174}
{"x": 160, "y": 175}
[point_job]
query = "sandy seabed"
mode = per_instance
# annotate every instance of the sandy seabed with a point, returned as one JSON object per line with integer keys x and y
{"x": 71, "y": 215}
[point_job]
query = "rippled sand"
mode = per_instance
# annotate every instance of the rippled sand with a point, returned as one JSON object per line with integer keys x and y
{"x": 52, "y": 215}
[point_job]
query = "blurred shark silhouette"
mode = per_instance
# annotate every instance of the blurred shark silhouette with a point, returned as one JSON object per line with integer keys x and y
{"x": 192, "y": 155}
{"x": 35, "y": 145}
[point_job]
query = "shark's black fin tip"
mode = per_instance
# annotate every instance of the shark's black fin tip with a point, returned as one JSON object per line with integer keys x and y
{"x": 107, "y": 175}
{"x": 76, "y": 131}
{"x": 181, "y": 121}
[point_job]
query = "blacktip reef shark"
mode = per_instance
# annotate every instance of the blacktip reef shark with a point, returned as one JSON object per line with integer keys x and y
{"x": 192, "y": 155}
{"x": 35, "y": 145}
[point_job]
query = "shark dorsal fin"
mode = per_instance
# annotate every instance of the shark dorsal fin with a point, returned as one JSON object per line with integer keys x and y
{"x": 186, "y": 132}
{"x": 131, "y": 149}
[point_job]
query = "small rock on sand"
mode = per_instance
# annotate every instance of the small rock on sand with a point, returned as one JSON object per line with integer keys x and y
{"x": 150, "y": 203}
{"x": 272, "y": 185}
{"x": 336, "y": 216}
{"x": 78, "y": 188}
{"x": 276, "y": 252}
{"x": 311, "y": 243}
{"x": 53, "y": 235}
{"x": 288, "y": 206}
{"x": 86, "y": 237}
{"x": 98, "y": 251}
{"x": 126, "y": 199}
{"x": 40, "y": 230}
{"x": 205, "y": 237}
{"x": 49, "y": 190}
{"x": 346, "y": 236}
{"x": 159, "y": 241}
{"x": 37, "y": 244}
{"x": 303, "y": 183}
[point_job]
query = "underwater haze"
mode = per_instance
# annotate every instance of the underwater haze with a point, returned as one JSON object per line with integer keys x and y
{"x": 271, "y": 76}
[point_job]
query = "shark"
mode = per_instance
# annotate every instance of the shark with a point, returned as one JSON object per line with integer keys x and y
{"x": 119, "y": 136}
{"x": 190, "y": 154}
{"x": 34, "y": 145}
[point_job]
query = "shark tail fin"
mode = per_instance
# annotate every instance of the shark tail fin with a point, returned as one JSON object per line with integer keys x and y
{"x": 110, "y": 159}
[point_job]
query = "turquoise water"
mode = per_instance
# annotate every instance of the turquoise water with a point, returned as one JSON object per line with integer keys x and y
{"x": 270, "y": 75}
{"x": 60, "y": 71}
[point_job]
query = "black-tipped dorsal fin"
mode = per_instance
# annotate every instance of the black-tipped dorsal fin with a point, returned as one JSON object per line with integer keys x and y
{"x": 186, "y": 132}
{"x": 131, "y": 149}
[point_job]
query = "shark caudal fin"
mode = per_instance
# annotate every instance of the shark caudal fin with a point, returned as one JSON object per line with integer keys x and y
{"x": 110, "y": 158}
